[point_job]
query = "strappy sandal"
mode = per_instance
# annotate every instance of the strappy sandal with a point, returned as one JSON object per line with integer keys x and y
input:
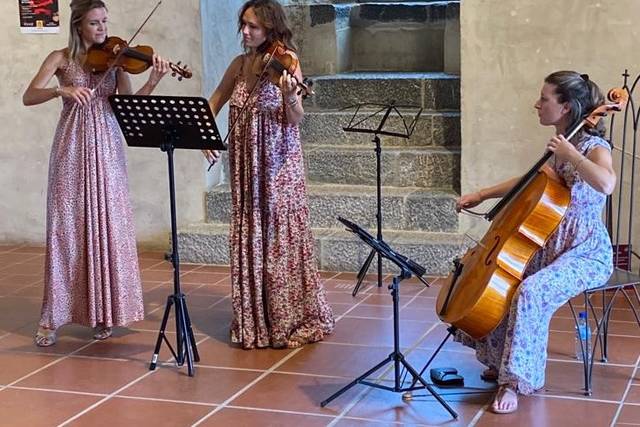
{"x": 500, "y": 395}
{"x": 45, "y": 337}
{"x": 102, "y": 333}
{"x": 490, "y": 375}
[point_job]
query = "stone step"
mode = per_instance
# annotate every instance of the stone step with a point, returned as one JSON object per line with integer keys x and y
{"x": 402, "y": 208}
{"x": 435, "y": 168}
{"x": 431, "y": 91}
{"x": 432, "y": 128}
{"x": 401, "y": 36}
{"x": 336, "y": 249}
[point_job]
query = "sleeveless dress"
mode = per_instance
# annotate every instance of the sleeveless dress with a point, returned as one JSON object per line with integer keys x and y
{"x": 578, "y": 256}
{"x": 91, "y": 264}
{"x": 277, "y": 297}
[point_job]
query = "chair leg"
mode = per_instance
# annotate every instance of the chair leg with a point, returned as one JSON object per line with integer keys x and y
{"x": 586, "y": 354}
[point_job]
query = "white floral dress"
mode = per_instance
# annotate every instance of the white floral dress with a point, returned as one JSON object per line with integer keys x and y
{"x": 578, "y": 256}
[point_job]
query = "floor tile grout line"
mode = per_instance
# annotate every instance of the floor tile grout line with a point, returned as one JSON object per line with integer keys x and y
{"x": 159, "y": 399}
{"x": 225, "y": 368}
{"x": 306, "y": 374}
{"x": 353, "y": 307}
{"x": 37, "y": 282}
{"x": 224, "y": 298}
{"x": 610, "y": 320}
{"x": 608, "y": 334}
{"x": 625, "y": 394}
{"x": 360, "y": 396}
{"x": 478, "y": 415}
{"x": 595, "y": 363}
{"x": 104, "y": 399}
{"x": 412, "y": 298}
{"x": 53, "y": 390}
{"x": 58, "y": 360}
{"x": 248, "y": 386}
{"x": 581, "y": 398}
{"x": 315, "y": 414}
{"x": 110, "y": 359}
{"x": 281, "y": 411}
{"x": 114, "y": 393}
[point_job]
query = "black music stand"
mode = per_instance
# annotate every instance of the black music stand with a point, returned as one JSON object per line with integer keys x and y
{"x": 360, "y": 125}
{"x": 407, "y": 268}
{"x": 170, "y": 122}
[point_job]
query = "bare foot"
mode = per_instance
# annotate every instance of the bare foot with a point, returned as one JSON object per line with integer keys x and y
{"x": 489, "y": 375}
{"x": 506, "y": 400}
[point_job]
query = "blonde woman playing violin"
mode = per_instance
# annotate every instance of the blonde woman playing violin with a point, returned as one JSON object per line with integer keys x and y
{"x": 91, "y": 265}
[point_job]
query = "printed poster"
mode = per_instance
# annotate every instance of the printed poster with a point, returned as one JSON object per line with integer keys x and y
{"x": 39, "y": 16}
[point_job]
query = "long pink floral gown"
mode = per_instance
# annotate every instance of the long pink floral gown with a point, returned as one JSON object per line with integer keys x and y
{"x": 278, "y": 299}
{"x": 91, "y": 267}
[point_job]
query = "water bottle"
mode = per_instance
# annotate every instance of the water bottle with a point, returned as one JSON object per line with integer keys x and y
{"x": 583, "y": 336}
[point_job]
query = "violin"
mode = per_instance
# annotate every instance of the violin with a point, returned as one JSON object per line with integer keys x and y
{"x": 274, "y": 61}
{"x": 115, "y": 52}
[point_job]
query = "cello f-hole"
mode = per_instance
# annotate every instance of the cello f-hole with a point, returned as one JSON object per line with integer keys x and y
{"x": 487, "y": 260}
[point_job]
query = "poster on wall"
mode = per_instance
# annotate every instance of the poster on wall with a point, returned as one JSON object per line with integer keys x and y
{"x": 39, "y": 16}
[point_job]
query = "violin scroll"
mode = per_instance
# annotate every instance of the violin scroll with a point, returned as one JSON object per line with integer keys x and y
{"x": 277, "y": 59}
{"x": 182, "y": 71}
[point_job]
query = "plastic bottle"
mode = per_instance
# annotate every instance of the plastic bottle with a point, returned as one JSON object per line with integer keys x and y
{"x": 583, "y": 336}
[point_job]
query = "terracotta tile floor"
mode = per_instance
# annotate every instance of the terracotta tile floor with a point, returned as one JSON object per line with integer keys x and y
{"x": 83, "y": 382}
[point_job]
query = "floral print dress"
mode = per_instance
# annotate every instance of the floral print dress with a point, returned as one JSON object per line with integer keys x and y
{"x": 91, "y": 265}
{"x": 277, "y": 297}
{"x": 578, "y": 256}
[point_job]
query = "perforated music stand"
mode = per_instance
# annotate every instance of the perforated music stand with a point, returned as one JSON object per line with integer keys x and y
{"x": 170, "y": 122}
{"x": 372, "y": 125}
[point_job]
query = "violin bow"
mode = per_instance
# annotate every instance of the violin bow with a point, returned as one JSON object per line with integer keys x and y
{"x": 121, "y": 52}
{"x": 244, "y": 106}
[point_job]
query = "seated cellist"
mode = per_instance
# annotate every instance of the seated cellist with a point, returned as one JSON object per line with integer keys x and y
{"x": 578, "y": 255}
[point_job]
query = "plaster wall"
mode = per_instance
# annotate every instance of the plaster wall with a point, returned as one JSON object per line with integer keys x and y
{"x": 507, "y": 48}
{"x": 26, "y": 132}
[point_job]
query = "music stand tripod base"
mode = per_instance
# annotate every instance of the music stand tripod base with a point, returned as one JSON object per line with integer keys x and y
{"x": 170, "y": 122}
{"x": 396, "y": 357}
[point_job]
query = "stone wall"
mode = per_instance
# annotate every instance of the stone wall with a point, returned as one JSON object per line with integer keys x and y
{"x": 411, "y": 36}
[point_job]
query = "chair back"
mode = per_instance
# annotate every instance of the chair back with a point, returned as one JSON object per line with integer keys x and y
{"x": 621, "y": 204}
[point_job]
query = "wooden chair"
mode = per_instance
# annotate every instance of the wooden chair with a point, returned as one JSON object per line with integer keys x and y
{"x": 619, "y": 217}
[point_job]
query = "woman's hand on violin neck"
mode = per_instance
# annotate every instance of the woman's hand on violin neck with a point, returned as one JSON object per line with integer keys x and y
{"x": 160, "y": 68}
{"x": 81, "y": 95}
{"x": 562, "y": 148}
{"x": 289, "y": 87}
{"x": 468, "y": 201}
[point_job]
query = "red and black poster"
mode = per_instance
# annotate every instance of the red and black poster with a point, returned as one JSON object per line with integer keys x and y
{"x": 39, "y": 16}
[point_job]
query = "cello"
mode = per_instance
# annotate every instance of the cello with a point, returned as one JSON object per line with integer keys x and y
{"x": 477, "y": 294}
